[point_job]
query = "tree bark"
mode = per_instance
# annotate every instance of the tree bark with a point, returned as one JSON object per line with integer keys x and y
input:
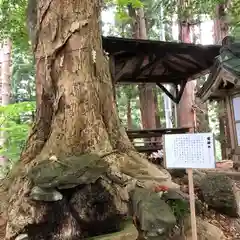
{"x": 157, "y": 112}
{"x": 202, "y": 117}
{"x": 129, "y": 113}
{"x": 76, "y": 116}
{"x": 220, "y": 23}
{"x": 147, "y": 105}
{"x": 157, "y": 115}
{"x": 185, "y": 111}
{"x": 201, "y": 110}
{"x": 146, "y": 96}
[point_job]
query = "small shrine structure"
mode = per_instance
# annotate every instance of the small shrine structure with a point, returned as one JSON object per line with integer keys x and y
{"x": 223, "y": 85}
{"x": 134, "y": 61}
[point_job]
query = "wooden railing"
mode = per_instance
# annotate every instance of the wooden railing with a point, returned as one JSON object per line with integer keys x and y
{"x": 152, "y": 138}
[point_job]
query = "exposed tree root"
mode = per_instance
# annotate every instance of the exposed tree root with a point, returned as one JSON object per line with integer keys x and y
{"x": 125, "y": 171}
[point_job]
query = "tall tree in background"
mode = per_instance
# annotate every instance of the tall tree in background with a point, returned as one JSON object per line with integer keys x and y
{"x": 6, "y": 72}
{"x": 186, "y": 116}
{"x": 5, "y": 95}
{"x": 221, "y": 29}
{"x": 221, "y": 26}
{"x": 201, "y": 109}
{"x": 146, "y": 91}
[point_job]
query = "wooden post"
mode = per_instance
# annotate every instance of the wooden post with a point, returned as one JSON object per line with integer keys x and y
{"x": 175, "y": 157}
{"x": 192, "y": 204}
{"x": 191, "y": 190}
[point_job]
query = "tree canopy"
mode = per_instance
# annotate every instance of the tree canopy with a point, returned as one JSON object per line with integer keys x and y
{"x": 13, "y": 14}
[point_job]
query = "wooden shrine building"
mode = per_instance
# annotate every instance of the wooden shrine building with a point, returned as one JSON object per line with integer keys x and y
{"x": 146, "y": 61}
{"x": 223, "y": 85}
{"x": 134, "y": 61}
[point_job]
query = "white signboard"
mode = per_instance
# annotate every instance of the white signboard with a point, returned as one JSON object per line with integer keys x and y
{"x": 191, "y": 150}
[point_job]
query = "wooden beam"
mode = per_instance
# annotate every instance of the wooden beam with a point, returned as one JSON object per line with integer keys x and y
{"x": 148, "y": 149}
{"x": 206, "y": 94}
{"x": 180, "y": 93}
{"x": 196, "y": 63}
{"x": 230, "y": 121}
{"x": 130, "y": 64}
{"x": 112, "y": 66}
{"x": 166, "y": 92}
{"x": 149, "y": 133}
{"x": 137, "y": 69}
{"x": 176, "y": 99}
{"x": 161, "y": 130}
{"x": 151, "y": 65}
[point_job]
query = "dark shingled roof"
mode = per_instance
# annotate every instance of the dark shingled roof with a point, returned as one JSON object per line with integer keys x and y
{"x": 143, "y": 61}
{"x": 225, "y": 73}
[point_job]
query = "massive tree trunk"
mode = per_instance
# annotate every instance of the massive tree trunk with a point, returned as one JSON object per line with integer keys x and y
{"x": 77, "y": 115}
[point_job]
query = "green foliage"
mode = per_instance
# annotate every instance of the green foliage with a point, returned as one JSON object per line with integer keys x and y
{"x": 161, "y": 111}
{"x": 23, "y": 73}
{"x": 213, "y": 114}
{"x": 13, "y": 22}
{"x": 192, "y": 9}
{"x": 179, "y": 207}
{"x": 14, "y": 123}
{"x": 15, "y": 118}
{"x": 121, "y": 8}
{"x": 234, "y": 18}
{"x": 233, "y": 12}
{"x": 124, "y": 94}
{"x": 13, "y": 14}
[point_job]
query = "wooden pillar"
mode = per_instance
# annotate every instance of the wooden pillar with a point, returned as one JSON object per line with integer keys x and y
{"x": 222, "y": 127}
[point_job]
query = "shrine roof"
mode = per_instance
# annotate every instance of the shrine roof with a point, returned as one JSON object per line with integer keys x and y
{"x": 224, "y": 77}
{"x": 145, "y": 61}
